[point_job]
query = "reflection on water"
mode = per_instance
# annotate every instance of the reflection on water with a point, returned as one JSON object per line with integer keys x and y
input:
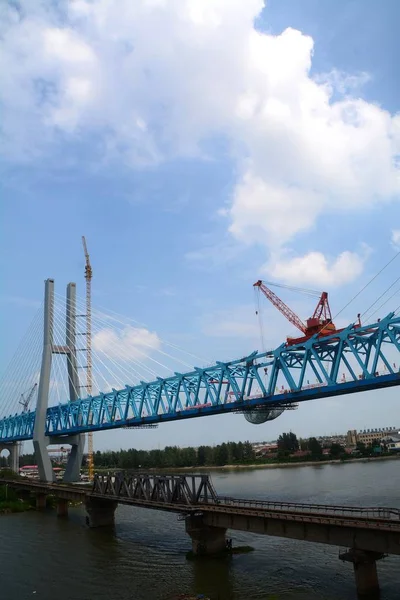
{"x": 45, "y": 558}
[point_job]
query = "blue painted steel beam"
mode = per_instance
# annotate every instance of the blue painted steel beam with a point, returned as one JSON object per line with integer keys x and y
{"x": 270, "y": 379}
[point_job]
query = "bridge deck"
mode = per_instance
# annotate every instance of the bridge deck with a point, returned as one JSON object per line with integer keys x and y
{"x": 375, "y": 529}
{"x": 379, "y": 518}
{"x": 366, "y": 357}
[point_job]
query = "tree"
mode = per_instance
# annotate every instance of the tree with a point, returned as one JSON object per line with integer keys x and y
{"x": 315, "y": 447}
{"x": 303, "y": 444}
{"x": 362, "y": 449}
{"x": 248, "y": 453}
{"x": 238, "y": 453}
{"x": 201, "y": 456}
{"x": 288, "y": 443}
{"x": 375, "y": 443}
{"x": 221, "y": 454}
{"x": 335, "y": 451}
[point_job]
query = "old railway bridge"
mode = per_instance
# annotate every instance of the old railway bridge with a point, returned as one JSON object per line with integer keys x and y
{"x": 368, "y": 533}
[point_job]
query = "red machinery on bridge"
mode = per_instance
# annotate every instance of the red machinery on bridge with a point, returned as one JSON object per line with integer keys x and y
{"x": 319, "y": 324}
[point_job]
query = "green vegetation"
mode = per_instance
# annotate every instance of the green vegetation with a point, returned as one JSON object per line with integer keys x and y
{"x": 315, "y": 448}
{"x": 287, "y": 443}
{"x": 9, "y": 502}
{"x": 291, "y": 450}
{"x": 336, "y": 451}
{"x": 8, "y": 474}
{"x": 231, "y": 453}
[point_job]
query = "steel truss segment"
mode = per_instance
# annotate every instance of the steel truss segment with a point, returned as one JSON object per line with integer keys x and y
{"x": 369, "y": 356}
{"x": 168, "y": 489}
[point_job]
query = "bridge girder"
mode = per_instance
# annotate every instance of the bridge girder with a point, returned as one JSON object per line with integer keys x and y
{"x": 229, "y": 386}
{"x": 179, "y": 489}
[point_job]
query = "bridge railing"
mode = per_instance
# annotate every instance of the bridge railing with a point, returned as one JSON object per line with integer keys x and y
{"x": 391, "y": 514}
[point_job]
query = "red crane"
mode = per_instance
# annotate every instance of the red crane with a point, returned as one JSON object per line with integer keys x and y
{"x": 320, "y": 323}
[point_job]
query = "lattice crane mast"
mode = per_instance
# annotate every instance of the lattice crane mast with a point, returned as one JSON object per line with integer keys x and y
{"x": 25, "y": 401}
{"x": 88, "y": 277}
{"x": 320, "y": 323}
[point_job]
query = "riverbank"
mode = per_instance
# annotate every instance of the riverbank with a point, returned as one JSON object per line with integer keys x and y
{"x": 10, "y": 503}
{"x": 14, "y": 507}
{"x": 282, "y": 465}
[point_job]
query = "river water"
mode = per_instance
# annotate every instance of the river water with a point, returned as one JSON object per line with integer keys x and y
{"x": 45, "y": 558}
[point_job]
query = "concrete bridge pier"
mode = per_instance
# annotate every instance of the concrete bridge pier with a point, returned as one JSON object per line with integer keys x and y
{"x": 14, "y": 457}
{"x": 206, "y": 539}
{"x": 365, "y": 572}
{"x": 41, "y": 501}
{"x": 62, "y": 507}
{"x": 13, "y": 449}
{"x": 101, "y": 513}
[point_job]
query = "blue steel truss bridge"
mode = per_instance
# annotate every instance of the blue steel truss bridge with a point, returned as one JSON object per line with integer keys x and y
{"x": 260, "y": 385}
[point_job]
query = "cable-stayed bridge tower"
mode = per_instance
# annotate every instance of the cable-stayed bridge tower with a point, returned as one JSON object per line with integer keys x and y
{"x": 40, "y": 440}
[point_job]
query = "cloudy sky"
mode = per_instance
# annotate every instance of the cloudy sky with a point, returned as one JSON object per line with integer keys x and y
{"x": 200, "y": 145}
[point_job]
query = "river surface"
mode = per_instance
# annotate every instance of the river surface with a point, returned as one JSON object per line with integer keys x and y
{"x": 46, "y": 558}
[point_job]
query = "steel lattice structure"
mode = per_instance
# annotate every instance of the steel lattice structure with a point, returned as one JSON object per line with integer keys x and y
{"x": 169, "y": 489}
{"x": 368, "y": 355}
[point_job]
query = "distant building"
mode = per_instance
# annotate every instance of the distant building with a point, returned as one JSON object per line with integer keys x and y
{"x": 392, "y": 443}
{"x": 301, "y": 453}
{"x": 263, "y": 449}
{"x": 368, "y": 435}
{"x": 351, "y": 438}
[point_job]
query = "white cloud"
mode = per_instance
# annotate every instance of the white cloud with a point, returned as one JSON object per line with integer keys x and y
{"x": 127, "y": 344}
{"x": 155, "y": 79}
{"x": 396, "y": 239}
{"x": 343, "y": 83}
{"x": 271, "y": 214}
{"x": 315, "y": 269}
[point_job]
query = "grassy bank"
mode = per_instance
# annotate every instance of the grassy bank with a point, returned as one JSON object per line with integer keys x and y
{"x": 13, "y": 506}
{"x": 10, "y": 503}
{"x": 284, "y": 465}
{"x": 260, "y": 465}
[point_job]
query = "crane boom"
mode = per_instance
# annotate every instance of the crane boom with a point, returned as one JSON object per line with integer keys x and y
{"x": 281, "y": 306}
{"x": 88, "y": 277}
{"x": 26, "y": 401}
{"x": 320, "y": 323}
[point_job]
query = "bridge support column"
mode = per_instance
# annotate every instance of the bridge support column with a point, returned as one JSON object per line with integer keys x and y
{"x": 14, "y": 457}
{"x": 62, "y": 507}
{"x": 365, "y": 572}
{"x": 41, "y": 501}
{"x": 73, "y": 469}
{"x": 13, "y": 449}
{"x": 40, "y": 439}
{"x": 205, "y": 539}
{"x": 101, "y": 513}
{"x": 39, "y": 433}
{"x": 23, "y": 495}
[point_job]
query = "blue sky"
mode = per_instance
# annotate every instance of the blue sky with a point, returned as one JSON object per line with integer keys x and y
{"x": 199, "y": 146}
